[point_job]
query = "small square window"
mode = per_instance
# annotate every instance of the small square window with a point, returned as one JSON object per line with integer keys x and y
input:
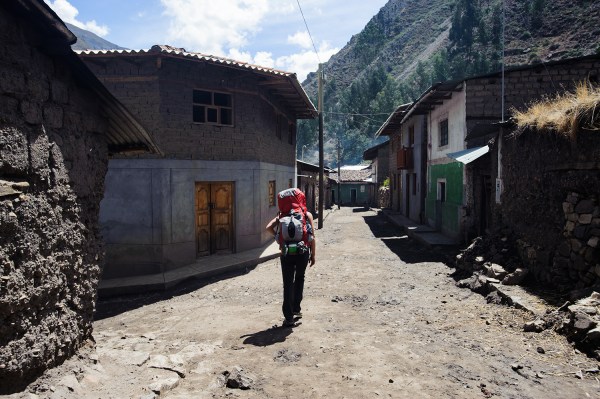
{"x": 212, "y": 107}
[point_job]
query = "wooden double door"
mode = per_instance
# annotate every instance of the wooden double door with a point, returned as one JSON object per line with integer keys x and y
{"x": 214, "y": 218}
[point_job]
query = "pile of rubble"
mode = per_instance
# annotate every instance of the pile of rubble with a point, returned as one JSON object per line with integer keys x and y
{"x": 496, "y": 261}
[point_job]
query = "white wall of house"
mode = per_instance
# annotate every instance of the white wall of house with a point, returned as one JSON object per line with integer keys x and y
{"x": 454, "y": 110}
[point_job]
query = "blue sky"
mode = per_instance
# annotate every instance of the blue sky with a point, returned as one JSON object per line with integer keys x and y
{"x": 265, "y": 32}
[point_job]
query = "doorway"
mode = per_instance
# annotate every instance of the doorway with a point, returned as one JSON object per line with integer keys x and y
{"x": 353, "y": 196}
{"x": 407, "y": 191}
{"x": 214, "y": 218}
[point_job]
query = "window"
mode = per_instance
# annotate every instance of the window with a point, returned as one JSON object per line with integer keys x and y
{"x": 212, "y": 108}
{"x": 362, "y": 189}
{"x": 292, "y": 134}
{"x": 290, "y": 183}
{"x": 411, "y": 136}
{"x": 272, "y": 193}
{"x": 444, "y": 132}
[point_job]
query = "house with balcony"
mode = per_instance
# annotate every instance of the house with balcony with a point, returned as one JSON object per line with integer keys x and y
{"x": 227, "y": 131}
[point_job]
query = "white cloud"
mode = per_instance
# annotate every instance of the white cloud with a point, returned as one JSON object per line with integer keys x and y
{"x": 304, "y": 62}
{"x": 68, "y": 13}
{"x": 302, "y": 39}
{"x": 213, "y": 26}
{"x": 264, "y": 58}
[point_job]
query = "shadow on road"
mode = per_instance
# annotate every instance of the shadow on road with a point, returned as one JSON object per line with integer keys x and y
{"x": 270, "y": 336}
{"x": 112, "y": 306}
{"x": 407, "y": 249}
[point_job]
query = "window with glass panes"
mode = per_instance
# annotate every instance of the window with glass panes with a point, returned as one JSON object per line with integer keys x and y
{"x": 444, "y": 132}
{"x": 213, "y": 107}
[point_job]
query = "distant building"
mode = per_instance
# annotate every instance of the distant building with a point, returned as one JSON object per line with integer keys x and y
{"x": 228, "y": 133}
{"x": 356, "y": 185}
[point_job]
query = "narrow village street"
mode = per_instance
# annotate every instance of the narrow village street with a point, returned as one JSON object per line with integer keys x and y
{"x": 382, "y": 318}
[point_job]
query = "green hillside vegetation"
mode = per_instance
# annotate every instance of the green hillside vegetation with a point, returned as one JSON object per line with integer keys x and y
{"x": 409, "y": 45}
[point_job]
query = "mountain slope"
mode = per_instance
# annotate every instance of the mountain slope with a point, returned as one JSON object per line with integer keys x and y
{"x": 89, "y": 41}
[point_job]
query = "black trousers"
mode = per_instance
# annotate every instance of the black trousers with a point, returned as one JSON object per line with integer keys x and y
{"x": 293, "y": 268}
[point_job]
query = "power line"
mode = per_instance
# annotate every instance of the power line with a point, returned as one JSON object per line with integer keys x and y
{"x": 308, "y": 30}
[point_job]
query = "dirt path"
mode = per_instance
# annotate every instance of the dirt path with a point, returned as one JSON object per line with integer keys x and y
{"x": 382, "y": 318}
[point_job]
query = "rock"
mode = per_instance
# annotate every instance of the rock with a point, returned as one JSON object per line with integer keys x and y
{"x": 540, "y": 350}
{"x": 593, "y": 242}
{"x": 70, "y": 381}
{"x": 583, "y": 322}
{"x": 171, "y": 363}
{"x": 537, "y": 325}
{"x": 238, "y": 379}
{"x": 593, "y": 336}
{"x": 474, "y": 283}
{"x": 162, "y": 386}
{"x": 494, "y": 297}
{"x": 585, "y": 218}
{"x": 568, "y": 207}
{"x": 585, "y": 206}
{"x": 516, "y": 277}
{"x": 516, "y": 366}
{"x": 496, "y": 271}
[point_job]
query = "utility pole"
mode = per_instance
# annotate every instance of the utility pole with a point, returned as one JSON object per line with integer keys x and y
{"x": 339, "y": 161}
{"x": 321, "y": 161}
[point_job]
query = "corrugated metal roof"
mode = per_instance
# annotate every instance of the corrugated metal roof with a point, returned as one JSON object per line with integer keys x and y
{"x": 288, "y": 88}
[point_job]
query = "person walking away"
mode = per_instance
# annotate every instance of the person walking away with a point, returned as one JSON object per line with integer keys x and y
{"x": 293, "y": 229}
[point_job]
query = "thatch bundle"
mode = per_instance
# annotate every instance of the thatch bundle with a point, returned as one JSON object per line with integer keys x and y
{"x": 566, "y": 113}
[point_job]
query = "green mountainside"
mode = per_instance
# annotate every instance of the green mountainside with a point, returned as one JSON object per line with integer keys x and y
{"x": 411, "y": 44}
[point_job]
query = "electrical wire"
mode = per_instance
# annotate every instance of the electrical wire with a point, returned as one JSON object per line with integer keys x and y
{"x": 308, "y": 30}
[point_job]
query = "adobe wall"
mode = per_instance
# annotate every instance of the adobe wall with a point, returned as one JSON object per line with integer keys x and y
{"x": 158, "y": 91}
{"x": 52, "y": 164}
{"x": 551, "y": 201}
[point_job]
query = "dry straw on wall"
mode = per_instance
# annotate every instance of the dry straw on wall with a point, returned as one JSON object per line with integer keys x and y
{"x": 566, "y": 113}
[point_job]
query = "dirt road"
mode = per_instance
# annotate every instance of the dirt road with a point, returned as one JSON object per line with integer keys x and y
{"x": 382, "y": 318}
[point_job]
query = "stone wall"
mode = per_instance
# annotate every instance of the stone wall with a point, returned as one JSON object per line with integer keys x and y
{"x": 53, "y": 159}
{"x": 550, "y": 200}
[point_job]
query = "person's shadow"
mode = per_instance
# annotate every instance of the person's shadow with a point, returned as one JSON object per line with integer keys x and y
{"x": 268, "y": 337}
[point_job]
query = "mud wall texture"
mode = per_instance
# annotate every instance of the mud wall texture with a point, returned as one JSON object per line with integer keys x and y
{"x": 551, "y": 200}
{"x": 53, "y": 160}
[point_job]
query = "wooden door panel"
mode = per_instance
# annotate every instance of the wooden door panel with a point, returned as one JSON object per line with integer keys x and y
{"x": 222, "y": 228}
{"x": 202, "y": 219}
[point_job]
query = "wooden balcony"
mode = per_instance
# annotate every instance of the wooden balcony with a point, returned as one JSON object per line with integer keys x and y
{"x": 404, "y": 158}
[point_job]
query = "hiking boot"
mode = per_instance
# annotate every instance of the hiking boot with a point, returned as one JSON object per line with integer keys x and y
{"x": 288, "y": 323}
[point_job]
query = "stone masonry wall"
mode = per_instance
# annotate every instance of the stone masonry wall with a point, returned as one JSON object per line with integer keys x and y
{"x": 159, "y": 94}
{"x": 53, "y": 159}
{"x": 550, "y": 200}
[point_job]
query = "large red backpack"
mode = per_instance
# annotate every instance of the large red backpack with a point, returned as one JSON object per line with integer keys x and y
{"x": 293, "y": 234}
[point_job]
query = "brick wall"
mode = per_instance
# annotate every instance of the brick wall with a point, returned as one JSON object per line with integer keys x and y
{"x": 159, "y": 93}
{"x": 524, "y": 86}
{"x": 53, "y": 159}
